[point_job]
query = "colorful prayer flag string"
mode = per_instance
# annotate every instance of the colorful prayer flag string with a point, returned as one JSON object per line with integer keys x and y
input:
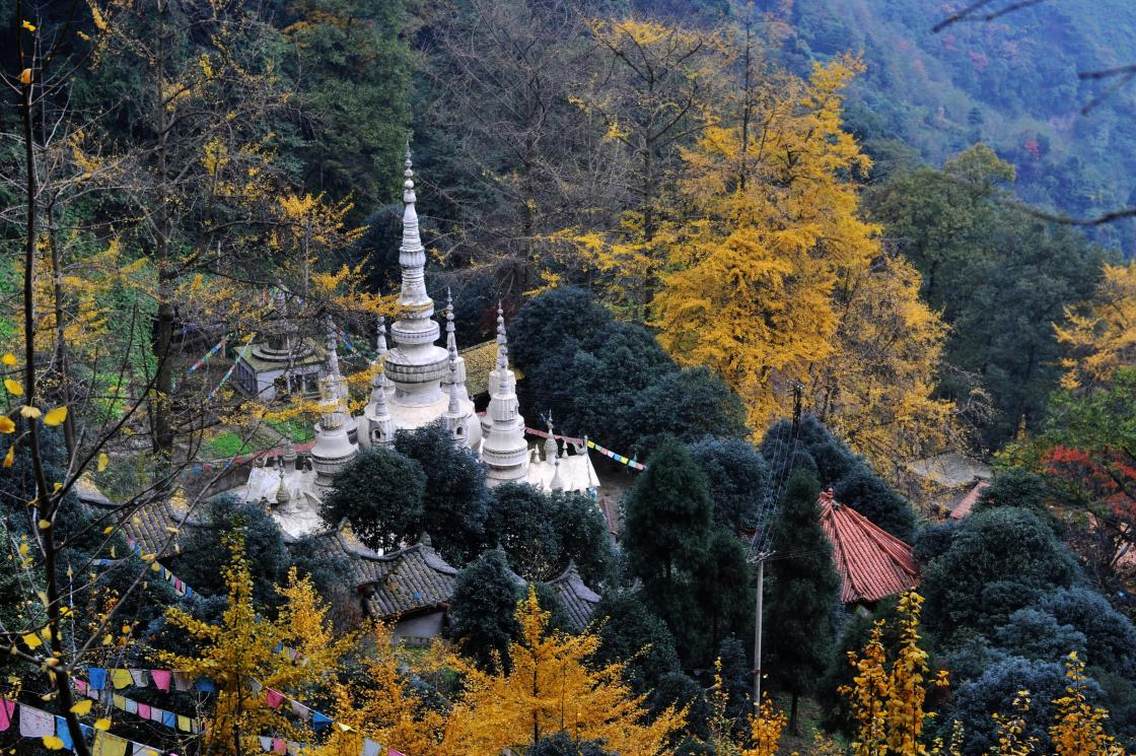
{"x": 45, "y": 726}
{"x": 205, "y": 358}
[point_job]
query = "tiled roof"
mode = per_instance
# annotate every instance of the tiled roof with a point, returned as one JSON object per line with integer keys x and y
{"x": 963, "y": 506}
{"x": 149, "y": 525}
{"x": 579, "y": 601}
{"x": 871, "y": 562}
{"x": 407, "y": 581}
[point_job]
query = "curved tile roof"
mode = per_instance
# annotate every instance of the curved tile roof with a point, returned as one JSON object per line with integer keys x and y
{"x": 872, "y": 563}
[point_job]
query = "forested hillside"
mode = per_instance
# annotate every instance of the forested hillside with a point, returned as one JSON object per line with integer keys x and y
{"x": 557, "y": 378}
{"x": 1011, "y": 82}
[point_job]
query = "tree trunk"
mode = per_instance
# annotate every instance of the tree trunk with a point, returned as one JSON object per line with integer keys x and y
{"x": 794, "y": 724}
{"x": 46, "y": 504}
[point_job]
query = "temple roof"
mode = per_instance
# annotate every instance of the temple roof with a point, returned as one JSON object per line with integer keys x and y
{"x": 408, "y": 581}
{"x": 963, "y": 506}
{"x": 872, "y": 563}
{"x": 579, "y": 601}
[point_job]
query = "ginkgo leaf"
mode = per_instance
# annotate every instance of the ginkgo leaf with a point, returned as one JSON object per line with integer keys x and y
{"x": 26, "y": 76}
{"x": 8, "y": 360}
{"x": 13, "y": 386}
{"x": 104, "y": 460}
{"x": 52, "y": 742}
{"x": 102, "y": 724}
{"x": 31, "y": 640}
{"x": 7, "y": 425}
{"x": 82, "y": 707}
{"x": 55, "y": 416}
{"x": 28, "y": 25}
{"x": 10, "y": 457}
{"x": 30, "y": 412}
{"x": 44, "y": 524}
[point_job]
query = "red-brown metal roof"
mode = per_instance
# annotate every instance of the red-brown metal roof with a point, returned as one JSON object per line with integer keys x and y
{"x": 872, "y": 563}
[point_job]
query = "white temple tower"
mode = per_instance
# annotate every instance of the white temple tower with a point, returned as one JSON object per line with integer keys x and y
{"x": 503, "y": 448}
{"x": 377, "y": 424}
{"x": 333, "y": 450}
{"x": 415, "y": 365}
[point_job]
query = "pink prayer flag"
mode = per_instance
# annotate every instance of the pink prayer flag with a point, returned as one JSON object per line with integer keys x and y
{"x": 144, "y": 710}
{"x": 81, "y": 686}
{"x": 161, "y": 679}
{"x": 273, "y": 698}
{"x": 6, "y": 709}
{"x": 392, "y": 752}
{"x": 279, "y": 746}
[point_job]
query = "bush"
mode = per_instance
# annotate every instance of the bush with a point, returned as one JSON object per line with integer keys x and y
{"x": 483, "y": 610}
{"x": 1110, "y": 636}
{"x": 739, "y": 480}
{"x": 994, "y": 691}
{"x": 455, "y": 502}
{"x": 381, "y": 494}
{"x": 997, "y": 563}
{"x": 1034, "y": 634}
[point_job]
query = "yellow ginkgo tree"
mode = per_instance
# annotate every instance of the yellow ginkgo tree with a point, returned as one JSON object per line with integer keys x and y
{"x": 246, "y": 655}
{"x": 553, "y": 686}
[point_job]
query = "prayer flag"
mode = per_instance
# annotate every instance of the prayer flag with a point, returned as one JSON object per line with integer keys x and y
{"x": 273, "y": 698}
{"x": 109, "y": 745}
{"x": 35, "y": 723}
{"x": 139, "y": 676}
{"x": 121, "y": 678}
{"x": 97, "y": 677}
{"x": 371, "y": 748}
{"x": 6, "y": 709}
{"x": 161, "y": 679}
{"x": 184, "y": 724}
{"x": 64, "y": 733}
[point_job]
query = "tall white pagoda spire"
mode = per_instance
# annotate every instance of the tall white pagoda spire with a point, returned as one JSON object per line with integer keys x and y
{"x": 378, "y": 422}
{"x": 338, "y": 383}
{"x": 416, "y": 365}
{"x": 503, "y": 449}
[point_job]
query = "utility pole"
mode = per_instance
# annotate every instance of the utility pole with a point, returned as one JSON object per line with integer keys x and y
{"x": 760, "y": 555}
{"x": 760, "y": 558}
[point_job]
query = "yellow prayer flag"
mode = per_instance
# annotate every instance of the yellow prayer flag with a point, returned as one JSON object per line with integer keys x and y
{"x": 184, "y": 724}
{"x": 121, "y": 678}
{"x": 109, "y": 745}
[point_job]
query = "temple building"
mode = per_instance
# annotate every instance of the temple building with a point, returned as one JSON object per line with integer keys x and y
{"x": 416, "y": 382}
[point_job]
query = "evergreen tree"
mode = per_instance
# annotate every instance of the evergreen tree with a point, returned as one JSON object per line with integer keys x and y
{"x": 380, "y": 494}
{"x": 521, "y": 525}
{"x": 483, "y": 610}
{"x": 542, "y": 533}
{"x": 667, "y": 528}
{"x": 630, "y": 633}
{"x": 456, "y": 501}
{"x": 999, "y": 561}
{"x": 739, "y": 478}
{"x": 802, "y": 594}
{"x": 204, "y": 553}
{"x": 724, "y": 590}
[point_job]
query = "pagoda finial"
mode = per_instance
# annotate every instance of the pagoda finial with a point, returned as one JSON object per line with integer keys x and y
{"x": 502, "y": 339}
{"x": 454, "y": 408}
{"x": 451, "y": 337}
{"x": 381, "y": 338}
{"x": 332, "y": 354}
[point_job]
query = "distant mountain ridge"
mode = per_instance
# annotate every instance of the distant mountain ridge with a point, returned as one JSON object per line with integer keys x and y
{"x": 1012, "y": 83}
